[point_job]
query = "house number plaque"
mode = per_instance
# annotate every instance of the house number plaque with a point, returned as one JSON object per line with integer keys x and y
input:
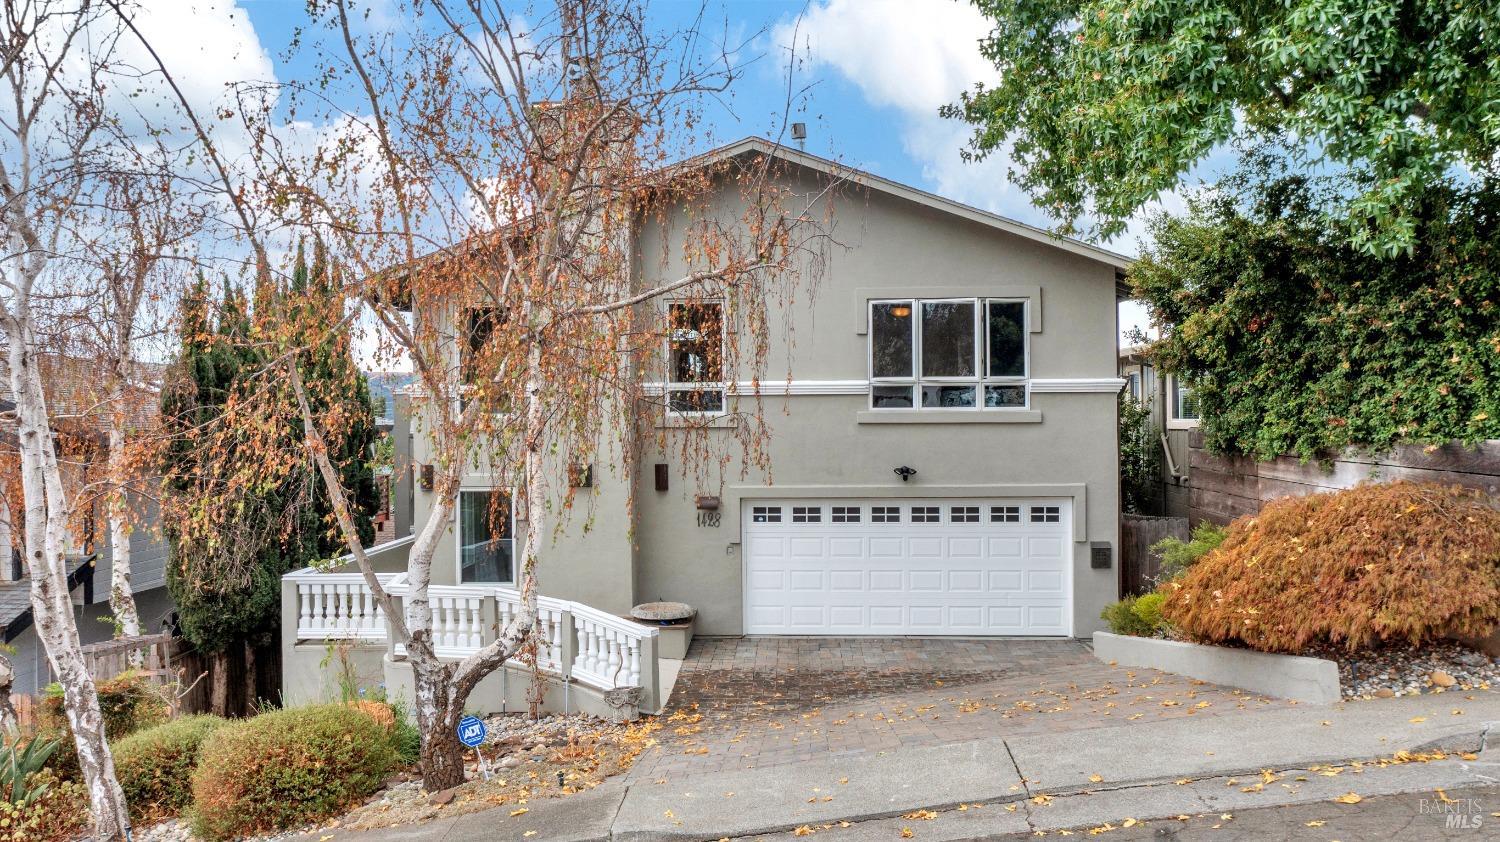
{"x": 708, "y": 520}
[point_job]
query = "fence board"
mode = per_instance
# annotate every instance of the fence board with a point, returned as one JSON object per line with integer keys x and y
{"x": 1137, "y": 534}
{"x": 1224, "y": 488}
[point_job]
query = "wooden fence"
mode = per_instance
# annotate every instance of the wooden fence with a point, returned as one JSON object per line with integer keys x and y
{"x": 169, "y": 660}
{"x": 1139, "y": 566}
{"x": 1226, "y": 487}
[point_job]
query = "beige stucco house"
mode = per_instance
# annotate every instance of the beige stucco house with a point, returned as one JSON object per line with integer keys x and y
{"x": 943, "y": 445}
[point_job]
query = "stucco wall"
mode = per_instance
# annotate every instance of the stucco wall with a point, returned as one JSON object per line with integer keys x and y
{"x": 829, "y": 444}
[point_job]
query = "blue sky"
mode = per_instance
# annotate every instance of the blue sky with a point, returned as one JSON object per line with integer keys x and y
{"x": 874, "y": 72}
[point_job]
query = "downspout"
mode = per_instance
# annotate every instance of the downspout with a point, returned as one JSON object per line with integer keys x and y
{"x": 1171, "y": 463}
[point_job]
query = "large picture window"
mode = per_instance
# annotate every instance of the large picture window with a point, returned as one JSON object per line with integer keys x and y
{"x": 486, "y": 542}
{"x": 964, "y": 353}
{"x": 695, "y": 357}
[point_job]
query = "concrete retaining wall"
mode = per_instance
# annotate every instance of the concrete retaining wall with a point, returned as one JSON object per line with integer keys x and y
{"x": 1312, "y": 680}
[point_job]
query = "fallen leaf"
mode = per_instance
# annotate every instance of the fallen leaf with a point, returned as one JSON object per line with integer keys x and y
{"x": 1416, "y": 719}
{"x": 905, "y": 833}
{"x": 922, "y": 815}
{"x": 803, "y": 831}
{"x": 1183, "y": 781}
{"x": 1443, "y": 797}
{"x": 1096, "y": 778}
{"x": 1128, "y": 823}
{"x": 1348, "y": 798}
{"x": 1315, "y": 823}
{"x": 522, "y": 811}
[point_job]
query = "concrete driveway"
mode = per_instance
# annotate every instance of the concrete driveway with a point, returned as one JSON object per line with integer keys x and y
{"x": 755, "y": 702}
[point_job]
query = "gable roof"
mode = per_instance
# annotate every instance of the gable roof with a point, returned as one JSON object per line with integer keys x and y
{"x": 867, "y": 179}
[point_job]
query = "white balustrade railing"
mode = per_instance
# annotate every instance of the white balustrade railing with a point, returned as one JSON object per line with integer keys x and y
{"x": 609, "y": 648}
{"x": 338, "y": 606}
{"x": 573, "y": 640}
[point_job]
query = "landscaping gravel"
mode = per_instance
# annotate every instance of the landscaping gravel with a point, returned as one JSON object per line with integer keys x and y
{"x": 1394, "y": 671}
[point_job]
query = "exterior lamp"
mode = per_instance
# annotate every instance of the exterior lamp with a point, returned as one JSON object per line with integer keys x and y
{"x": 900, "y": 311}
{"x": 905, "y": 473}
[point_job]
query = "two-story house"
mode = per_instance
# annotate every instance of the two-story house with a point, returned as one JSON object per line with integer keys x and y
{"x": 944, "y": 451}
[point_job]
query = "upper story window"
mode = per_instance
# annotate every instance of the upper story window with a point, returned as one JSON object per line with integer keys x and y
{"x": 961, "y": 353}
{"x": 695, "y": 357}
{"x": 480, "y": 326}
{"x": 1182, "y": 403}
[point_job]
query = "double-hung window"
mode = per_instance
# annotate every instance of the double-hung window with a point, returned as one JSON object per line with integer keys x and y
{"x": 486, "y": 529}
{"x": 951, "y": 353}
{"x": 1183, "y": 404}
{"x": 695, "y": 358}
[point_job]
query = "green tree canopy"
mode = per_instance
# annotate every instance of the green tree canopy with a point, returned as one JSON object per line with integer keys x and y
{"x": 1296, "y": 341}
{"x": 1104, "y": 104}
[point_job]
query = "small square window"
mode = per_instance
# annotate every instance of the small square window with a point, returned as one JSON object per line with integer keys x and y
{"x": 807, "y": 514}
{"x": 765, "y": 514}
{"x": 885, "y": 514}
{"x": 963, "y": 514}
{"x": 925, "y": 514}
{"x": 845, "y": 514}
{"x": 1005, "y": 514}
{"x": 1046, "y": 514}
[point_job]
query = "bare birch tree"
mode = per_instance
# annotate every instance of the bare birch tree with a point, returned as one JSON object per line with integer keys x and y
{"x": 53, "y": 129}
{"x": 502, "y": 167}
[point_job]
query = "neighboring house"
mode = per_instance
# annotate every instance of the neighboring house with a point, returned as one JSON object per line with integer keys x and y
{"x": 76, "y": 410}
{"x": 1174, "y": 413}
{"x": 946, "y": 464}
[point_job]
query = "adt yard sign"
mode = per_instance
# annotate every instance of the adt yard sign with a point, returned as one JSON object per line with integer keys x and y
{"x": 471, "y": 731}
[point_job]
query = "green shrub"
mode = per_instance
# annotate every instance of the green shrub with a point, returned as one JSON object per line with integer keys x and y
{"x": 1400, "y": 562}
{"x": 128, "y": 703}
{"x": 287, "y": 768}
{"x": 1122, "y": 618}
{"x": 155, "y": 766}
{"x": 1147, "y": 609}
{"x": 1178, "y": 555}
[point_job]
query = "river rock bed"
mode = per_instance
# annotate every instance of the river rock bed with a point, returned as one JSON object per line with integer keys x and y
{"x": 1399, "y": 671}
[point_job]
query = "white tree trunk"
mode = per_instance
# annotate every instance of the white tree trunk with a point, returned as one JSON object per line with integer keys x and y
{"x": 46, "y": 522}
{"x": 121, "y": 594}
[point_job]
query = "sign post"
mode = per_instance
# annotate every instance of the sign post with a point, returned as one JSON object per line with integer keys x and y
{"x": 471, "y": 732}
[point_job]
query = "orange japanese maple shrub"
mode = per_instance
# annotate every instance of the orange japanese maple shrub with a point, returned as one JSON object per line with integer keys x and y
{"x": 1378, "y": 563}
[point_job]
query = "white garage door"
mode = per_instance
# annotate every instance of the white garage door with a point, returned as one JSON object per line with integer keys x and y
{"x": 914, "y": 567}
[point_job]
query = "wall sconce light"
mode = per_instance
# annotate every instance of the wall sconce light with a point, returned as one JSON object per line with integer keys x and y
{"x": 900, "y": 311}
{"x": 905, "y": 473}
{"x": 581, "y": 475}
{"x": 424, "y": 477}
{"x": 661, "y": 476}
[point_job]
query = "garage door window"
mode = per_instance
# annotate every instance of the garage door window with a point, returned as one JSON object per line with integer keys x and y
{"x": 1045, "y": 514}
{"x": 845, "y": 514}
{"x": 885, "y": 514}
{"x": 807, "y": 514}
{"x": 925, "y": 514}
{"x": 766, "y": 514}
{"x": 949, "y": 354}
{"x": 1005, "y": 514}
{"x": 963, "y": 514}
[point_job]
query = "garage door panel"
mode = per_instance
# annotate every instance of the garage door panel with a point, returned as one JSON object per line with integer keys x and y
{"x": 846, "y": 547}
{"x": 960, "y": 581}
{"x": 806, "y": 580}
{"x": 1005, "y": 547}
{"x": 954, "y": 571}
{"x": 846, "y": 580}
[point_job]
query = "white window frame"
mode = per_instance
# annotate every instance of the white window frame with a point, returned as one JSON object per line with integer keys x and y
{"x": 669, "y": 385}
{"x": 458, "y": 532}
{"x": 981, "y": 377}
{"x": 1174, "y": 422}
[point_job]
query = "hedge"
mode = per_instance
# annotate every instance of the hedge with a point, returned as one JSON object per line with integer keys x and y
{"x": 155, "y": 766}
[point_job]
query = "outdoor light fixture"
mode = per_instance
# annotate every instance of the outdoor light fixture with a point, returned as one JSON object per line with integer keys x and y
{"x": 900, "y": 311}
{"x": 905, "y": 473}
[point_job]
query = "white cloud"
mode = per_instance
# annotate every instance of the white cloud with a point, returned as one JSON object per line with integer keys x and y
{"x": 915, "y": 56}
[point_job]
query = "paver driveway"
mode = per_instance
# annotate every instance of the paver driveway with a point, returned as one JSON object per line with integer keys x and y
{"x": 760, "y": 701}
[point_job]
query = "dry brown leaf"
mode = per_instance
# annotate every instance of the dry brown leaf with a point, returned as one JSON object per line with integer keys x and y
{"x": 1348, "y": 798}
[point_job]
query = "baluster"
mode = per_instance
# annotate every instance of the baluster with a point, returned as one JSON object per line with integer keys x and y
{"x": 304, "y": 606}
{"x": 367, "y": 610}
{"x": 317, "y": 609}
{"x": 634, "y": 671}
{"x": 340, "y": 608}
{"x": 615, "y": 661}
{"x": 472, "y": 633}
